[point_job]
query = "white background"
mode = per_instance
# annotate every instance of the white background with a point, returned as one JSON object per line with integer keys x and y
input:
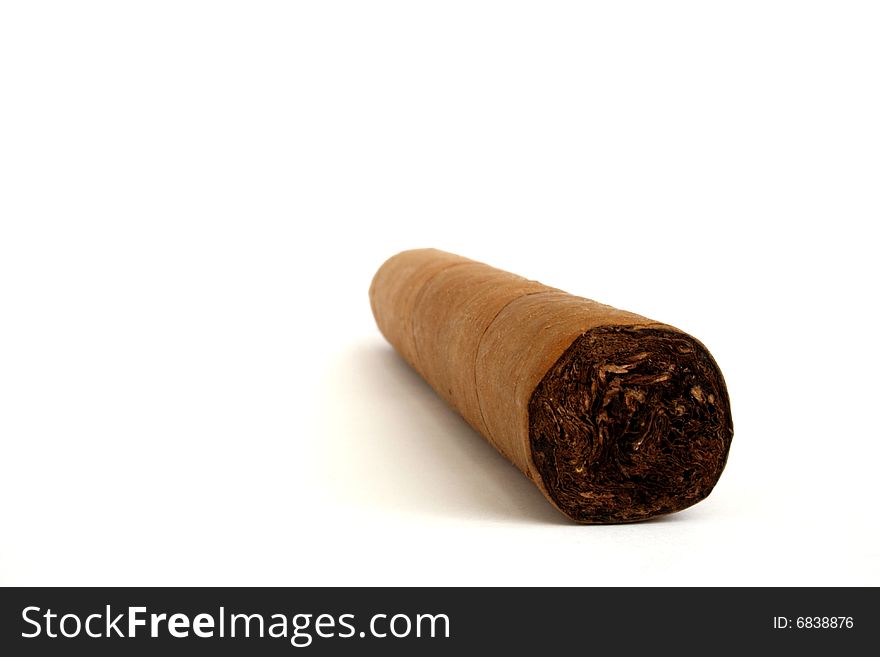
{"x": 195, "y": 196}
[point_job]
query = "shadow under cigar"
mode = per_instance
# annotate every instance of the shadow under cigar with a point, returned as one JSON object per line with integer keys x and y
{"x": 403, "y": 447}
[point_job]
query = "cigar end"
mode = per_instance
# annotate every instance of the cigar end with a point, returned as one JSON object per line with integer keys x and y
{"x": 630, "y": 423}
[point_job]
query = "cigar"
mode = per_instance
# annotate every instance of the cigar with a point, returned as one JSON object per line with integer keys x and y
{"x": 613, "y": 416}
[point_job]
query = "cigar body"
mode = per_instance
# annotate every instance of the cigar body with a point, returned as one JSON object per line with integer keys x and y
{"x": 613, "y": 416}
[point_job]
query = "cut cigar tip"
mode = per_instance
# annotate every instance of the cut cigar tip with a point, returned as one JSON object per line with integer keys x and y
{"x": 625, "y": 437}
{"x": 615, "y": 417}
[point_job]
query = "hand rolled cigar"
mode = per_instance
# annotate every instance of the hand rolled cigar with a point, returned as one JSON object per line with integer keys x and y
{"x": 613, "y": 416}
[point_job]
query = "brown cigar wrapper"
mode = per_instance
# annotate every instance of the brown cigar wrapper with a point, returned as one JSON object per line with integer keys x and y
{"x": 613, "y": 416}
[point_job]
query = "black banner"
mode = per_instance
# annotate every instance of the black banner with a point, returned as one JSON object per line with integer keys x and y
{"x": 428, "y": 621}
